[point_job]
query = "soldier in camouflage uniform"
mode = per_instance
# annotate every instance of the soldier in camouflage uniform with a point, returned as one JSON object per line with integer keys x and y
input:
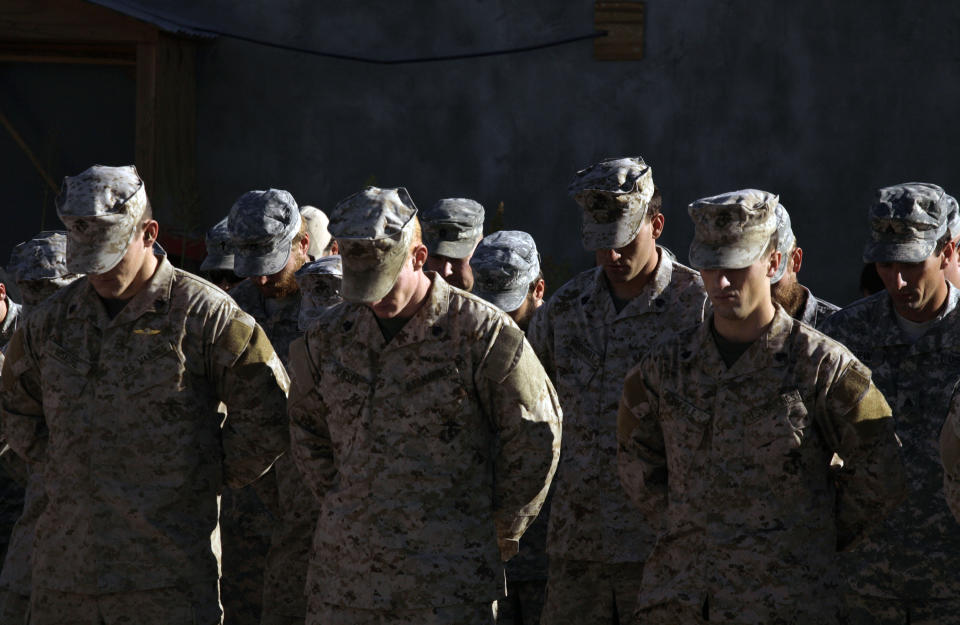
{"x": 506, "y": 271}
{"x": 727, "y": 431}
{"x": 321, "y": 243}
{"x": 588, "y": 335}
{"x": 111, "y": 386}
{"x": 320, "y": 281}
{"x": 452, "y": 228}
{"x": 909, "y": 336}
{"x": 39, "y": 267}
{"x": 787, "y": 291}
{"x": 422, "y": 419}
{"x": 217, "y": 265}
{"x": 270, "y": 245}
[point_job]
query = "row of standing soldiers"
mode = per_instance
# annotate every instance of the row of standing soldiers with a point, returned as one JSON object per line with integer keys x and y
{"x": 379, "y": 404}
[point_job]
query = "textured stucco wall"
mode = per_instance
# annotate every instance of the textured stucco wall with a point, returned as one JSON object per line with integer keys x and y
{"x": 819, "y": 101}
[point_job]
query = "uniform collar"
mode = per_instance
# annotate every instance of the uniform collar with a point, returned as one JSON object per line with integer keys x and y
{"x": 887, "y": 332}
{"x": 428, "y": 322}
{"x": 653, "y": 298}
{"x": 771, "y": 349}
{"x": 153, "y": 298}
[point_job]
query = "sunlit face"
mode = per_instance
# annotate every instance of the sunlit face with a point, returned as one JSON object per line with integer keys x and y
{"x": 122, "y": 282}
{"x": 915, "y": 288}
{"x": 455, "y": 271}
{"x": 737, "y": 293}
{"x": 403, "y": 291}
{"x": 625, "y": 263}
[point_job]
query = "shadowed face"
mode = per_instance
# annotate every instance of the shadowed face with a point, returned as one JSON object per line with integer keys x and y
{"x": 917, "y": 290}
{"x": 737, "y": 293}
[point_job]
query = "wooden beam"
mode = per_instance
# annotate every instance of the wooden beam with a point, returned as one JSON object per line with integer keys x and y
{"x": 146, "y": 131}
{"x": 66, "y": 52}
{"x": 624, "y": 23}
{"x": 69, "y": 20}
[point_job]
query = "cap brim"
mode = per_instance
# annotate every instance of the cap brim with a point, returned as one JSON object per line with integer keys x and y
{"x": 215, "y": 262}
{"x": 369, "y": 285}
{"x": 94, "y": 258}
{"x": 704, "y": 256}
{"x": 596, "y": 236}
{"x": 247, "y": 266}
{"x": 911, "y": 252}
{"x": 507, "y": 301}
{"x": 453, "y": 249}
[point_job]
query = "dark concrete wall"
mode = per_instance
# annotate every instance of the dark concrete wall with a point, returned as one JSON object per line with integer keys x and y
{"x": 819, "y": 101}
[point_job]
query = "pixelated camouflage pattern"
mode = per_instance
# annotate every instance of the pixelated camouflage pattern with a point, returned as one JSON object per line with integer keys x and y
{"x": 732, "y": 230}
{"x": 193, "y": 605}
{"x": 262, "y": 227}
{"x": 101, "y": 208}
{"x": 44, "y": 257}
{"x": 219, "y": 248}
{"x": 316, "y": 221}
{"x": 906, "y": 221}
{"x": 464, "y": 614}
{"x": 785, "y": 241}
{"x": 614, "y": 195}
{"x": 504, "y": 266}
{"x": 916, "y": 552}
{"x": 285, "y": 574}
{"x": 452, "y": 227}
{"x": 816, "y": 310}
{"x": 591, "y": 592}
{"x": 738, "y": 463}
{"x": 587, "y": 348}
{"x": 10, "y": 322}
{"x": 950, "y": 455}
{"x": 374, "y": 231}
{"x": 122, "y": 413}
{"x": 397, "y": 438}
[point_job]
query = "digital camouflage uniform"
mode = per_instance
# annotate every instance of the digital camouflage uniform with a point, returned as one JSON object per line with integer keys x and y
{"x": 263, "y": 226}
{"x": 815, "y": 310}
{"x": 39, "y": 267}
{"x": 587, "y": 348}
{"x": 504, "y": 266}
{"x": 284, "y": 578}
{"x": 123, "y": 412}
{"x": 397, "y": 439}
{"x": 596, "y": 540}
{"x": 905, "y": 572}
{"x": 913, "y": 558}
{"x": 739, "y": 460}
{"x": 429, "y": 431}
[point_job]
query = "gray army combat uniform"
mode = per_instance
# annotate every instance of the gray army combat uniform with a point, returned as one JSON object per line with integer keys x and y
{"x": 916, "y": 553}
{"x": 397, "y": 437}
{"x": 905, "y": 572}
{"x": 815, "y": 310}
{"x": 263, "y": 226}
{"x": 738, "y": 460}
{"x": 122, "y": 413}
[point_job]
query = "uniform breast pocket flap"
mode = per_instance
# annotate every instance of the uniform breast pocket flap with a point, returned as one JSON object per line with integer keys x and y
{"x": 161, "y": 365}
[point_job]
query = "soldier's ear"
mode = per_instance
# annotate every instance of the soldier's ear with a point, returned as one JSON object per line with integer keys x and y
{"x": 418, "y": 256}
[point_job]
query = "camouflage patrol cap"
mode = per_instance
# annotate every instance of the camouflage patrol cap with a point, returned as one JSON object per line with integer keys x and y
{"x": 732, "y": 230}
{"x": 953, "y": 221}
{"x": 906, "y": 221}
{"x": 785, "y": 241}
{"x": 102, "y": 208}
{"x": 219, "y": 249}
{"x": 504, "y": 265}
{"x": 39, "y": 266}
{"x": 374, "y": 229}
{"x": 614, "y": 195}
{"x": 452, "y": 227}
{"x": 316, "y": 221}
{"x": 262, "y": 227}
{"x": 320, "y": 283}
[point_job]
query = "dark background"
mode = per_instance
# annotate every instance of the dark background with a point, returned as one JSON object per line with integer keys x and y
{"x": 819, "y": 101}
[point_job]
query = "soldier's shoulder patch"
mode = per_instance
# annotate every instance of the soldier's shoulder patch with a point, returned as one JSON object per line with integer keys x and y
{"x": 504, "y": 353}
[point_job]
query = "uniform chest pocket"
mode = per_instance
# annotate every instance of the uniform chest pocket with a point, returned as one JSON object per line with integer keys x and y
{"x": 685, "y": 426}
{"x": 577, "y": 364}
{"x": 779, "y": 426}
{"x": 436, "y": 404}
{"x": 160, "y": 366}
{"x": 65, "y": 375}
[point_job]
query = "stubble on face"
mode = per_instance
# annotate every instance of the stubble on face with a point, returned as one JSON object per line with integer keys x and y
{"x": 283, "y": 283}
